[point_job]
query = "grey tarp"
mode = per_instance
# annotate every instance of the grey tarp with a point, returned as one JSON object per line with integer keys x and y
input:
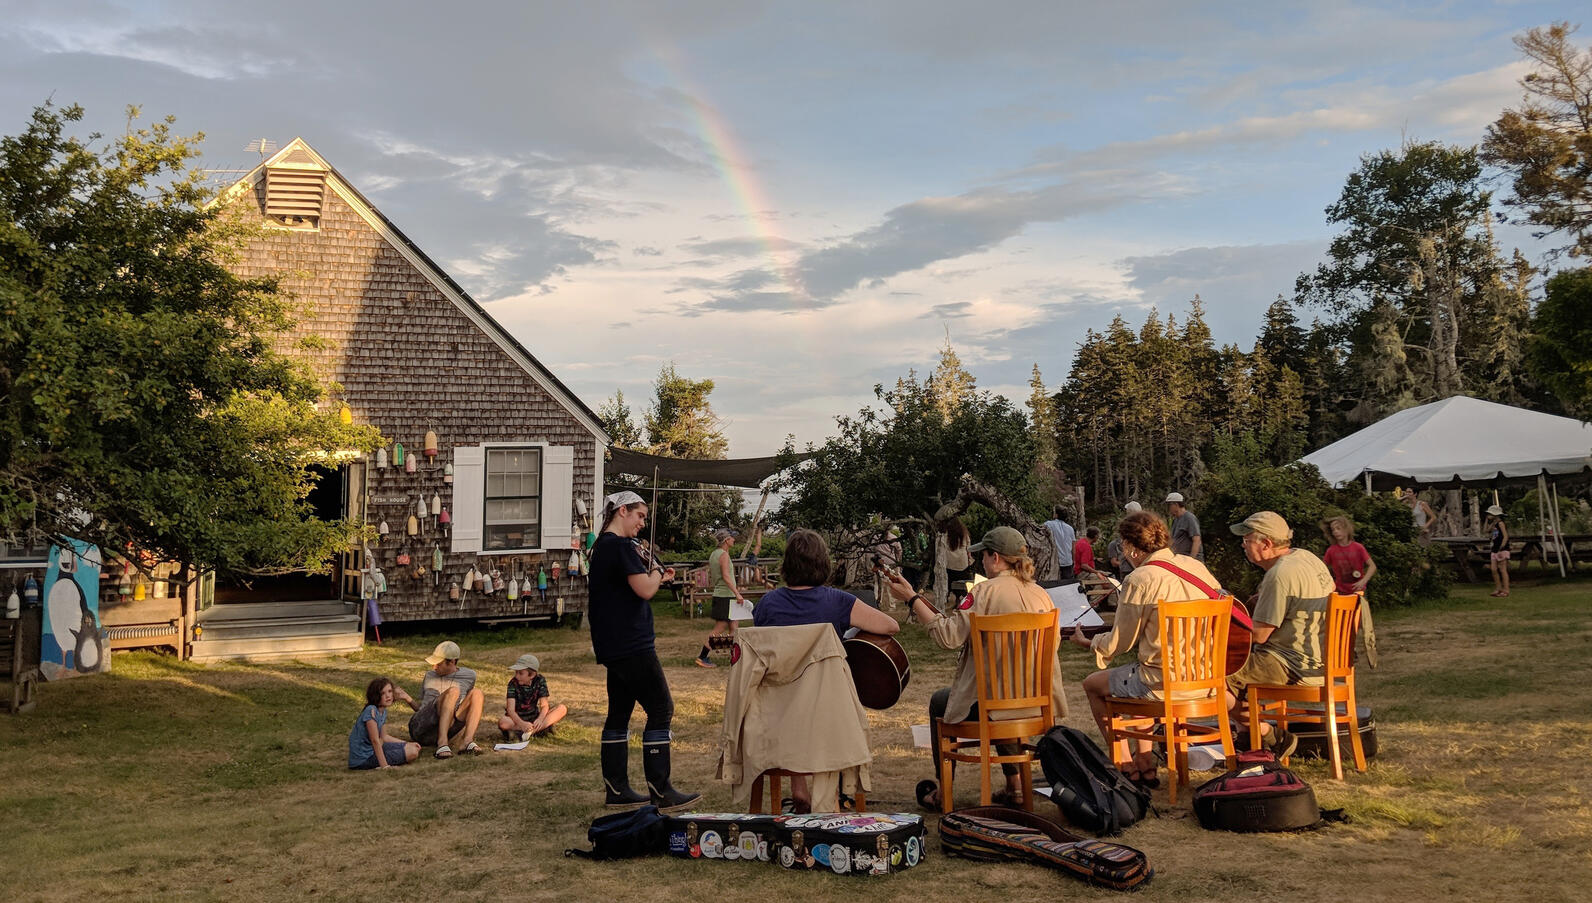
{"x": 746, "y": 472}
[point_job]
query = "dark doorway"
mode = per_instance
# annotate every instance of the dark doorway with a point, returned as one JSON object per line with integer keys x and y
{"x": 328, "y": 499}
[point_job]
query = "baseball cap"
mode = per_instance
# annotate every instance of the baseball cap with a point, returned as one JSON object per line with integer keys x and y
{"x": 1267, "y": 523}
{"x": 1003, "y": 540}
{"x": 526, "y": 662}
{"x": 1174, "y": 497}
{"x": 1494, "y": 510}
{"x": 1132, "y": 507}
{"x": 445, "y": 651}
{"x": 724, "y": 533}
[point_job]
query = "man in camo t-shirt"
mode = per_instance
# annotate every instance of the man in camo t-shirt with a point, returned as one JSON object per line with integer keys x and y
{"x": 1290, "y": 615}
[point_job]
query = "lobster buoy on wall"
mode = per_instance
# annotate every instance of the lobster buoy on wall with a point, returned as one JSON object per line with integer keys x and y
{"x": 431, "y": 443}
{"x": 436, "y": 504}
{"x": 345, "y": 416}
{"x": 397, "y": 454}
{"x": 381, "y": 458}
{"x": 409, "y": 464}
{"x": 382, "y": 529}
{"x": 447, "y": 473}
{"x": 443, "y": 518}
{"x": 414, "y": 525}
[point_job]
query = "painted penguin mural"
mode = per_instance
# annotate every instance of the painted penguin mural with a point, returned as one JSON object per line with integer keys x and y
{"x": 73, "y": 642}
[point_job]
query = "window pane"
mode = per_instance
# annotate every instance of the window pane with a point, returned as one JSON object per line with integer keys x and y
{"x": 531, "y": 484}
{"x": 494, "y": 485}
{"x": 496, "y": 461}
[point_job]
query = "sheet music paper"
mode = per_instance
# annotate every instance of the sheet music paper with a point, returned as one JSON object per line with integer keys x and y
{"x": 1074, "y": 607}
{"x": 740, "y": 611}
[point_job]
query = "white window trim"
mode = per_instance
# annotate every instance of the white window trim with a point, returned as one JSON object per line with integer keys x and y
{"x": 541, "y": 495}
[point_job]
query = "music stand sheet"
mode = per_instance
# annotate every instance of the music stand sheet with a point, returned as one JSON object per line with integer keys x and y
{"x": 740, "y": 611}
{"x": 1074, "y": 607}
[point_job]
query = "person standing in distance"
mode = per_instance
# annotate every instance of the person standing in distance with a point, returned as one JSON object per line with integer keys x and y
{"x": 1062, "y": 536}
{"x": 623, "y": 640}
{"x": 1185, "y": 528}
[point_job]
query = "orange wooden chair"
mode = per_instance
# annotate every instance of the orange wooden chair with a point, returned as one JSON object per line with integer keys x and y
{"x": 1014, "y": 656}
{"x": 772, "y": 778}
{"x": 1270, "y": 703}
{"x": 1193, "y": 685}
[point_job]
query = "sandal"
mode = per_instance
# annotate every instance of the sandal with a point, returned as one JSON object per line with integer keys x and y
{"x": 471, "y": 749}
{"x": 443, "y": 752}
{"x": 1005, "y": 798}
{"x": 1147, "y": 778}
{"x": 925, "y": 790}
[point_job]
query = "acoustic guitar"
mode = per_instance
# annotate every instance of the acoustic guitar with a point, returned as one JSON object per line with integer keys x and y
{"x": 879, "y": 668}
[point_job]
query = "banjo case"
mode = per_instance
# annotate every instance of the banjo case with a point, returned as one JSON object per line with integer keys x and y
{"x": 849, "y": 843}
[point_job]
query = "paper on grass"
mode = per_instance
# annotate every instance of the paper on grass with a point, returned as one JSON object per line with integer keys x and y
{"x": 1073, "y": 607}
{"x": 512, "y": 746}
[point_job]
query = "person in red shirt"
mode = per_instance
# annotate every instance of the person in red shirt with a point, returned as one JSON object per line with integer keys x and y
{"x": 1351, "y": 565}
{"x": 1083, "y": 550}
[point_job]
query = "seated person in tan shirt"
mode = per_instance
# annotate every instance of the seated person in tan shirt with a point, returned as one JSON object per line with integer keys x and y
{"x": 1145, "y": 541}
{"x": 1010, "y": 589}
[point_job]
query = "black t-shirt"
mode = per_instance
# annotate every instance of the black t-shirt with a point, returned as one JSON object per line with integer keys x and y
{"x": 621, "y": 621}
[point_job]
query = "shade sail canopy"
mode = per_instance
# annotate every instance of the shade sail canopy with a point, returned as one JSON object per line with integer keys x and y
{"x": 1458, "y": 440}
{"x": 745, "y": 472}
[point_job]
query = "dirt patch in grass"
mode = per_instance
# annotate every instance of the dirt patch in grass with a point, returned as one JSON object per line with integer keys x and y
{"x": 171, "y": 781}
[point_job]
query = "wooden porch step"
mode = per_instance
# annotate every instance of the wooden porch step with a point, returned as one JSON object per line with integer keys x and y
{"x": 276, "y": 648}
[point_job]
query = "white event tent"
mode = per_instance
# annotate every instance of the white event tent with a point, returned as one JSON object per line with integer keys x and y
{"x": 1461, "y": 441}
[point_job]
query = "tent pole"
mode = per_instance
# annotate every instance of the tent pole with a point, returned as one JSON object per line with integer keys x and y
{"x": 652, "y": 542}
{"x": 1368, "y": 482}
{"x": 1560, "y": 548}
{"x": 1542, "y": 514}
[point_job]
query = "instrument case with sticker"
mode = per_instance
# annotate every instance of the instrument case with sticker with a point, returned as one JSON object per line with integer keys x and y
{"x": 726, "y": 836}
{"x": 849, "y": 843}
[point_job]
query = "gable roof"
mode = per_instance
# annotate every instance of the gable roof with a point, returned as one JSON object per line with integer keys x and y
{"x": 299, "y": 152}
{"x": 1457, "y": 440}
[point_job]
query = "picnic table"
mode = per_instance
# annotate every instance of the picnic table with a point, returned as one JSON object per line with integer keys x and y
{"x": 1472, "y": 552}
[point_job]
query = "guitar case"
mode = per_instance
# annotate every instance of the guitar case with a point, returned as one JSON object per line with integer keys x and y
{"x": 999, "y": 834}
{"x": 1258, "y": 795}
{"x": 1313, "y": 737}
{"x": 850, "y": 843}
{"x": 726, "y": 836}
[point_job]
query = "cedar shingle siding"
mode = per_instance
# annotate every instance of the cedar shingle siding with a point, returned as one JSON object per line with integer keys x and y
{"x": 409, "y": 360}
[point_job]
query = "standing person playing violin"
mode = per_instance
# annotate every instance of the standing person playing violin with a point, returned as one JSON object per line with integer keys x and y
{"x": 622, "y": 637}
{"x": 1154, "y": 577}
{"x": 1010, "y": 589}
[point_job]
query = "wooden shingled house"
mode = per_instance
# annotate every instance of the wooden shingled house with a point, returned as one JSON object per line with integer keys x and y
{"x": 495, "y": 450}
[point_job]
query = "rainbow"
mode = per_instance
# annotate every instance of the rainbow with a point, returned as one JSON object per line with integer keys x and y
{"x": 735, "y": 168}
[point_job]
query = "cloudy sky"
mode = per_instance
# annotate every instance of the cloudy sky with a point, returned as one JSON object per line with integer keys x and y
{"x": 800, "y": 200}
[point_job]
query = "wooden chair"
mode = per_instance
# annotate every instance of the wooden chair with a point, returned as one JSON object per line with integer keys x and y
{"x": 772, "y": 778}
{"x": 19, "y": 659}
{"x": 1193, "y": 685}
{"x": 1270, "y": 703}
{"x": 1013, "y": 659}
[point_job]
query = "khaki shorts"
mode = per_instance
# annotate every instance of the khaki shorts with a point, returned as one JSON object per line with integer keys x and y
{"x": 1262, "y": 668}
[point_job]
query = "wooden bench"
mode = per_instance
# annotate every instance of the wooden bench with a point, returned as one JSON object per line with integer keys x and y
{"x": 19, "y": 658}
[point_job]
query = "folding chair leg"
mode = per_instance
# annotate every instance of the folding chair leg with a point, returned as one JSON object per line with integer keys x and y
{"x": 947, "y": 768}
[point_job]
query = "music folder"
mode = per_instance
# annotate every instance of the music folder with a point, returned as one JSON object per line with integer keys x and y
{"x": 1073, "y": 607}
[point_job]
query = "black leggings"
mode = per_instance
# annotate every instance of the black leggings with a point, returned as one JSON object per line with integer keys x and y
{"x": 638, "y": 678}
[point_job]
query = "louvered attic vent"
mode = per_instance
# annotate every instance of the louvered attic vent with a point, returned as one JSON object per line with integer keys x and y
{"x": 294, "y": 195}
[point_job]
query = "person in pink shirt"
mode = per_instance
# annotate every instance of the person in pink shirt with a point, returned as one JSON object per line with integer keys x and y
{"x": 1349, "y": 562}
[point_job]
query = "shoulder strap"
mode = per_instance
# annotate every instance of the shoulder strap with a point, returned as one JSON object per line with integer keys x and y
{"x": 1188, "y": 578}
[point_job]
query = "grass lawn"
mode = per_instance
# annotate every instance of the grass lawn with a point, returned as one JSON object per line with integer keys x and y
{"x": 171, "y": 781}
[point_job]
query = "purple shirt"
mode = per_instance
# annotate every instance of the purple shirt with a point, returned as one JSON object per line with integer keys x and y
{"x": 786, "y": 607}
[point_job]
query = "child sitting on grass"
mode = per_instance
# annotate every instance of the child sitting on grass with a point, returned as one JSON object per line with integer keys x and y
{"x": 369, "y": 744}
{"x": 527, "y": 712}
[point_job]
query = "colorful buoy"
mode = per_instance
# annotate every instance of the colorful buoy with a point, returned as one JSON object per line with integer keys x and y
{"x": 345, "y": 416}
{"x": 381, "y": 458}
{"x": 447, "y": 473}
{"x": 431, "y": 443}
{"x": 397, "y": 453}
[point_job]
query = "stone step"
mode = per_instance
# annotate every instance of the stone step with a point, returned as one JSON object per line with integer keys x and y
{"x": 264, "y": 649}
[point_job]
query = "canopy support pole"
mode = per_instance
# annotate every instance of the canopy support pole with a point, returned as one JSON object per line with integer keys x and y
{"x": 1368, "y": 483}
{"x": 652, "y": 541}
{"x": 1561, "y": 551}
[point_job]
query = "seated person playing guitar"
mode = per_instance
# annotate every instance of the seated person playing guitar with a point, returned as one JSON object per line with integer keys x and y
{"x": 1290, "y": 616}
{"x": 1010, "y": 589}
{"x": 804, "y": 599}
{"x": 1157, "y": 574}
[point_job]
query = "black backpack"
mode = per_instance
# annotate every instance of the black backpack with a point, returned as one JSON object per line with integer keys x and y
{"x": 625, "y": 835}
{"x": 1258, "y": 795}
{"x": 1091, "y": 793}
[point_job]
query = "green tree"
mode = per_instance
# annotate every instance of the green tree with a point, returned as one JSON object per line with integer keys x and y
{"x": 142, "y": 402}
{"x": 681, "y": 424}
{"x": 619, "y": 421}
{"x": 1546, "y": 143}
{"x": 951, "y": 385}
{"x": 1559, "y": 352}
{"x": 1415, "y": 239}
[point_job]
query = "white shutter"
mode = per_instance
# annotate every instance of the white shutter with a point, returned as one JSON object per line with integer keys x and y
{"x": 469, "y": 484}
{"x": 558, "y": 488}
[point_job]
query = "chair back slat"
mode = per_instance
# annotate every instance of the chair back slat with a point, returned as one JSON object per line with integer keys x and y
{"x": 1343, "y": 622}
{"x": 1193, "y": 644}
{"x": 1013, "y": 657}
